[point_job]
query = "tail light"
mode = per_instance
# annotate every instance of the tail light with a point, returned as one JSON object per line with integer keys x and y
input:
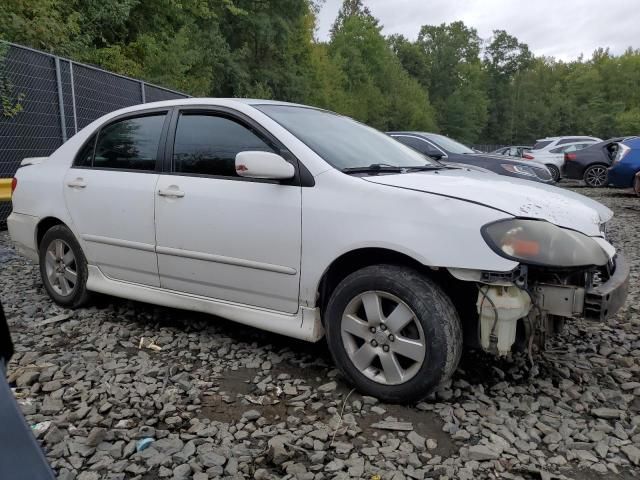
{"x": 14, "y": 184}
{"x": 527, "y": 156}
{"x": 569, "y": 156}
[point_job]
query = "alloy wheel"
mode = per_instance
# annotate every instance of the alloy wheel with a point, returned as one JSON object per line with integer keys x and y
{"x": 383, "y": 337}
{"x": 61, "y": 267}
{"x": 596, "y": 176}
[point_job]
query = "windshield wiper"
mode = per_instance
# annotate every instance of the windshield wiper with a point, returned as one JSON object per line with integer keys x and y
{"x": 383, "y": 168}
{"x": 373, "y": 168}
{"x": 422, "y": 168}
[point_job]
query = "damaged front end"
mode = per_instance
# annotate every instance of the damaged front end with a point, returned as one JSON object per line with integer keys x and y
{"x": 563, "y": 274}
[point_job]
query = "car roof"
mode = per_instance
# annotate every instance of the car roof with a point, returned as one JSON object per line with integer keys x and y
{"x": 566, "y": 136}
{"x": 210, "y": 101}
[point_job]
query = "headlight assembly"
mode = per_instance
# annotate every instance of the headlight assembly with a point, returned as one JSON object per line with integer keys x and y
{"x": 518, "y": 169}
{"x": 537, "y": 242}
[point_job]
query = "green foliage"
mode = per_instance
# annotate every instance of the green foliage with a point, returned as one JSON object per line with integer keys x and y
{"x": 10, "y": 103}
{"x": 448, "y": 79}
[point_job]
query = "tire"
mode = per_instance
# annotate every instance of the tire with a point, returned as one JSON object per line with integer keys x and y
{"x": 596, "y": 176}
{"x": 555, "y": 172}
{"x": 399, "y": 293}
{"x": 60, "y": 252}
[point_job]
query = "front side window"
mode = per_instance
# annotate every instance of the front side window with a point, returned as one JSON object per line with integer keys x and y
{"x": 130, "y": 144}
{"x": 415, "y": 143}
{"x": 208, "y": 144}
{"x": 449, "y": 144}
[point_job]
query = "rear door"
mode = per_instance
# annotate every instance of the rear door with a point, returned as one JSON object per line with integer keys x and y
{"x": 110, "y": 192}
{"x": 220, "y": 235}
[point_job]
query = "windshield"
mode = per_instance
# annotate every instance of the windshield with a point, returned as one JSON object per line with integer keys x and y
{"x": 341, "y": 141}
{"x": 448, "y": 144}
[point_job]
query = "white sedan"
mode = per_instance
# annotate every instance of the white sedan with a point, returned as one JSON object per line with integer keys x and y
{"x": 306, "y": 223}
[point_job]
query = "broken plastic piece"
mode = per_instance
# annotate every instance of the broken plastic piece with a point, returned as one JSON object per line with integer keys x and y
{"x": 143, "y": 443}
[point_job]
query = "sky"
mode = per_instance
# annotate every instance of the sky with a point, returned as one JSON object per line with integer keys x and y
{"x": 563, "y": 29}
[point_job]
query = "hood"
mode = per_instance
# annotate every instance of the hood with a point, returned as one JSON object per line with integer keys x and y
{"x": 520, "y": 198}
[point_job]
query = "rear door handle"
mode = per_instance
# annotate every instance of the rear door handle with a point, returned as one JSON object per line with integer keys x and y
{"x": 77, "y": 183}
{"x": 170, "y": 192}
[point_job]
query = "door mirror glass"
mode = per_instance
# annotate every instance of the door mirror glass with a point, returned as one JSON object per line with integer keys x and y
{"x": 265, "y": 165}
{"x": 436, "y": 154}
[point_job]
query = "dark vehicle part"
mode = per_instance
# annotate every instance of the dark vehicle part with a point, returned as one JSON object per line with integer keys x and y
{"x": 21, "y": 458}
{"x": 393, "y": 332}
{"x": 447, "y": 151}
{"x": 590, "y": 164}
{"x": 63, "y": 267}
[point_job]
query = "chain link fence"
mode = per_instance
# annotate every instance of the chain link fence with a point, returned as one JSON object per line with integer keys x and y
{"x": 47, "y": 99}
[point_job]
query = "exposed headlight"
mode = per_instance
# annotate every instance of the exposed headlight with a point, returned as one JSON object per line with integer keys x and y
{"x": 537, "y": 242}
{"x": 518, "y": 169}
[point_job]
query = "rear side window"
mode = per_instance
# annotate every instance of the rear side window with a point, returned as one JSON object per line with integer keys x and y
{"x": 208, "y": 144}
{"x": 541, "y": 144}
{"x": 85, "y": 155}
{"x": 573, "y": 140}
{"x": 130, "y": 144}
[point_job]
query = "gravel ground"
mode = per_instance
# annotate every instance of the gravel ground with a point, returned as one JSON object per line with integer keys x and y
{"x": 211, "y": 399}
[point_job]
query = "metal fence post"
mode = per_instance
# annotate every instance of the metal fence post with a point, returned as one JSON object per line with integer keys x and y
{"x": 63, "y": 123}
{"x": 144, "y": 100}
{"x": 73, "y": 98}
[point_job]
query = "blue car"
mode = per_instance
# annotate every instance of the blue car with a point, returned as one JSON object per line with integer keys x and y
{"x": 625, "y": 164}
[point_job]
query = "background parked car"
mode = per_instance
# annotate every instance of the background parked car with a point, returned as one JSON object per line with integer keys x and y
{"x": 447, "y": 150}
{"x": 513, "y": 150}
{"x": 591, "y": 163}
{"x": 626, "y": 164}
{"x": 550, "y": 151}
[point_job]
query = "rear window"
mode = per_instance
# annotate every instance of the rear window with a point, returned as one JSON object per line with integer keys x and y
{"x": 130, "y": 144}
{"x": 541, "y": 144}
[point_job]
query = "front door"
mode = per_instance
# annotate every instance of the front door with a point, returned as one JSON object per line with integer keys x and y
{"x": 110, "y": 193}
{"x": 219, "y": 235}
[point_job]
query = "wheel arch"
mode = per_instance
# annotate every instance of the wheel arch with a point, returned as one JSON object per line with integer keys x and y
{"x": 45, "y": 224}
{"x": 463, "y": 294}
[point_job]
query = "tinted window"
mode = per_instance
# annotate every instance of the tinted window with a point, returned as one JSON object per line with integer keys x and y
{"x": 448, "y": 144}
{"x": 573, "y": 140}
{"x": 207, "y": 144}
{"x": 130, "y": 144}
{"x": 418, "y": 145}
{"x": 341, "y": 141}
{"x": 541, "y": 144}
{"x": 85, "y": 155}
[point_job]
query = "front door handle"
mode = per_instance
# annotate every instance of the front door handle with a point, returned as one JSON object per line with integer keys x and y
{"x": 77, "y": 183}
{"x": 171, "y": 192}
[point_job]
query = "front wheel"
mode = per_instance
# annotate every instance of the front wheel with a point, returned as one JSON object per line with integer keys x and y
{"x": 63, "y": 267}
{"x": 393, "y": 333}
{"x": 595, "y": 176}
{"x": 555, "y": 172}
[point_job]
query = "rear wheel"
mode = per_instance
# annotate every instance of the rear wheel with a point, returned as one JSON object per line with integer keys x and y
{"x": 63, "y": 267}
{"x": 555, "y": 172}
{"x": 393, "y": 333}
{"x": 595, "y": 176}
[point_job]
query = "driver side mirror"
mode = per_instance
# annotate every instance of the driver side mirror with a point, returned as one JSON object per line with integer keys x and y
{"x": 436, "y": 155}
{"x": 263, "y": 165}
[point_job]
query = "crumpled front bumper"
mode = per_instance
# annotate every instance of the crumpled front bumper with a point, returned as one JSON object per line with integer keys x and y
{"x": 598, "y": 302}
{"x": 604, "y": 300}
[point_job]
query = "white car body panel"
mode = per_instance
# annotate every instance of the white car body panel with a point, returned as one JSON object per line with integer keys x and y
{"x": 256, "y": 252}
{"x": 123, "y": 250}
{"x": 242, "y": 251}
